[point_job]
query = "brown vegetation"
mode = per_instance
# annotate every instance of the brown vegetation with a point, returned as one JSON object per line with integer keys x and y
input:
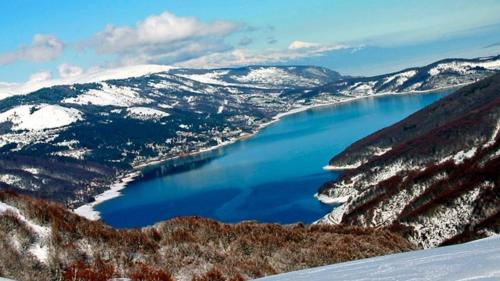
{"x": 181, "y": 248}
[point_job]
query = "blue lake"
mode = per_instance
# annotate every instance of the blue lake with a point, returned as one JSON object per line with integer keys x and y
{"x": 270, "y": 177}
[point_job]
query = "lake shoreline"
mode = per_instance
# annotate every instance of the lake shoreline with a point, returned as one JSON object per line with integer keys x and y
{"x": 88, "y": 210}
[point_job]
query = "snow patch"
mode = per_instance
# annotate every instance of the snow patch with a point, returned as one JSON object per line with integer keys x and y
{"x": 493, "y": 137}
{"x": 78, "y": 153}
{"x": 400, "y": 78}
{"x": 463, "y": 67}
{"x": 334, "y": 217}
{"x": 213, "y": 77}
{"x": 331, "y": 200}
{"x": 382, "y": 173}
{"x": 109, "y": 95}
{"x": 445, "y": 222}
{"x": 460, "y": 156}
{"x": 145, "y": 113}
{"x": 40, "y": 117}
{"x": 40, "y": 248}
{"x": 220, "y": 109}
{"x": 273, "y": 76}
{"x": 10, "y": 179}
{"x": 33, "y": 171}
{"x": 381, "y": 151}
{"x": 340, "y": 168}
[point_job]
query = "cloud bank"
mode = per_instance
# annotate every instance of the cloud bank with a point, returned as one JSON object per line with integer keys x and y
{"x": 295, "y": 45}
{"x": 43, "y": 48}
{"x": 67, "y": 70}
{"x": 167, "y": 39}
{"x": 239, "y": 57}
{"x": 164, "y": 38}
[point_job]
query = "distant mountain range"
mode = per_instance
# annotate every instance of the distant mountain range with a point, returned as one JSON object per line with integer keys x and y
{"x": 434, "y": 176}
{"x": 70, "y": 142}
{"x": 441, "y": 74}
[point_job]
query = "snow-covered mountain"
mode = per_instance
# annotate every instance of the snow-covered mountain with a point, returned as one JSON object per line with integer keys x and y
{"x": 476, "y": 260}
{"x": 105, "y": 128}
{"x": 97, "y": 75}
{"x": 441, "y": 74}
{"x": 277, "y": 77}
{"x": 70, "y": 141}
{"x": 433, "y": 176}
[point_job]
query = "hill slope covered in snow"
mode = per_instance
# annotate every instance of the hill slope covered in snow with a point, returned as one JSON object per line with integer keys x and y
{"x": 433, "y": 176}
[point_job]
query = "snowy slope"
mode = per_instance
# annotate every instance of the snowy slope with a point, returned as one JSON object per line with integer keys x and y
{"x": 40, "y": 117}
{"x": 108, "y": 95}
{"x": 11, "y": 89}
{"x": 478, "y": 260}
{"x": 145, "y": 113}
{"x": 440, "y": 74}
{"x": 277, "y": 77}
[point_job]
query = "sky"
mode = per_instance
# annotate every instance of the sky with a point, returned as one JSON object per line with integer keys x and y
{"x": 53, "y": 39}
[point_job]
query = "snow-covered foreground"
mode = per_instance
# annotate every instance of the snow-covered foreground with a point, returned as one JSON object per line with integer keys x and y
{"x": 478, "y": 260}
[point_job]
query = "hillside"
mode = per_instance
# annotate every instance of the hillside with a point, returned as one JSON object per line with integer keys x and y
{"x": 432, "y": 176}
{"x": 44, "y": 241}
{"x": 445, "y": 263}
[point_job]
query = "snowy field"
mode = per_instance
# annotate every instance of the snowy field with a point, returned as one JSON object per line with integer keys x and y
{"x": 478, "y": 260}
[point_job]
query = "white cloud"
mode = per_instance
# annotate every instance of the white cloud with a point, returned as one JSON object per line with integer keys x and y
{"x": 40, "y": 77}
{"x": 295, "y": 45}
{"x": 239, "y": 57}
{"x": 67, "y": 70}
{"x": 164, "y": 38}
{"x": 43, "y": 48}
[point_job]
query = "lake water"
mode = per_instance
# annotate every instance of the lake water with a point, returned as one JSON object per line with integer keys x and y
{"x": 270, "y": 177}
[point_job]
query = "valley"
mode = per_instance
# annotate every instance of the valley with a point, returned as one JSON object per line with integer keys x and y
{"x": 107, "y": 129}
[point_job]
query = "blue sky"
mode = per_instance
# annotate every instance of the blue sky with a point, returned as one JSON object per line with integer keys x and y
{"x": 64, "y": 38}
